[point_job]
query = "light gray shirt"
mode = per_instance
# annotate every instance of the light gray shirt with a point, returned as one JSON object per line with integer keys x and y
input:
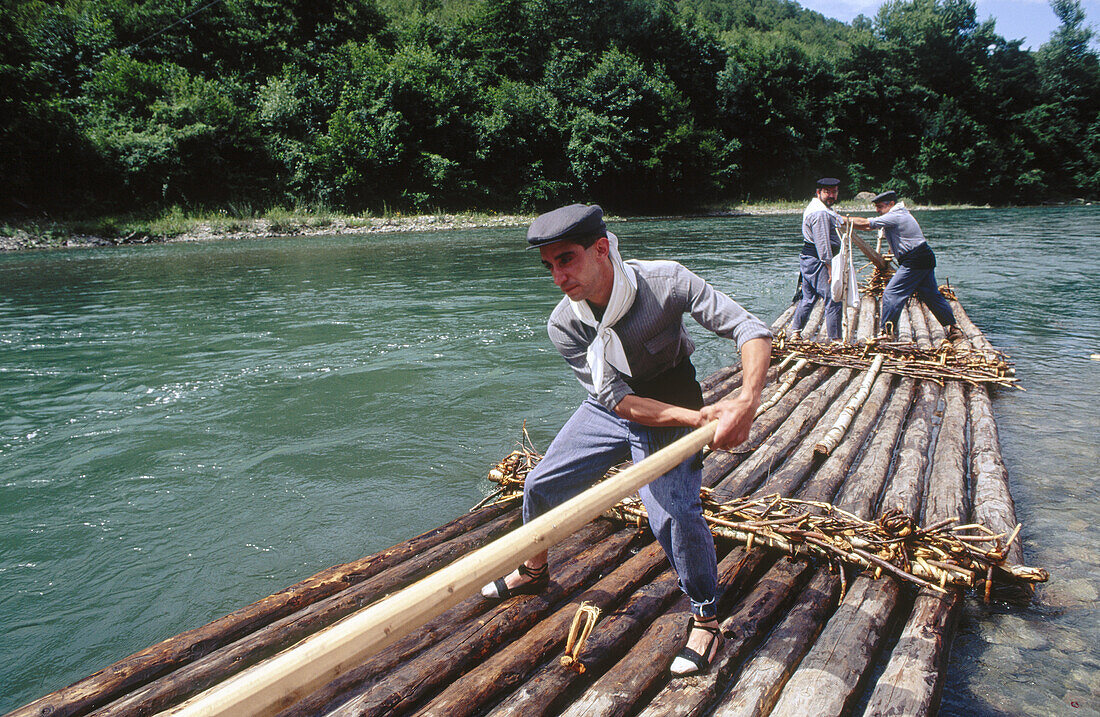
{"x": 652, "y": 330}
{"x": 901, "y": 229}
{"x": 819, "y": 227}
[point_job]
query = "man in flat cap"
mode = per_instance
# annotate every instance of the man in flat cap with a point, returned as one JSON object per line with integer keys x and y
{"x": 820, "y": 239}
{"x": 916, "y": 264}
{"x": 620, "y": 328}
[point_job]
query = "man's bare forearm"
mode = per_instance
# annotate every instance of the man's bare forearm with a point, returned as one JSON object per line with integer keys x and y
{"x": 651, "y": 412}
{"x": 756, "y": 356}
{"x": 861, "y": 223}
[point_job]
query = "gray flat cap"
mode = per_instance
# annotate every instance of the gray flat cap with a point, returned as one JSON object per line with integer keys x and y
{"x": 828, "y": 182}
{"x": 888, "y": 196}
{"x": 574, "y": 222}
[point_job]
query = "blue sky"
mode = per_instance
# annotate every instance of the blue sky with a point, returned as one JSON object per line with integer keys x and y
{"x": 1029, "y": 20}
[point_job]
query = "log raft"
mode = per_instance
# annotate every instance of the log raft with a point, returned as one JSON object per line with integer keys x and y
{"x": 803, "y": 635}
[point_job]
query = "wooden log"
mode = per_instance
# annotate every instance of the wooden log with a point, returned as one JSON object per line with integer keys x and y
{"x": 973, "y": 334}
{"x": 782, "y": 386}
{"x": 904, "y": 327}
{"x": 645, "y": 666}
{"x": 249, "y": 650}
{"x": 789, "y": 476}
{"x": 864, "y": 489}
{"x": 813, "y": 321}
{"x": 160, "y": 659}
{"x": 912, "y": 683}
{"x": 830, "y": 678}
{"x": 861, "y": 497}
{"x": 832, "y": 437}
{"x": 718, "y": 464}
{"x": 750, "y": 622}
{"x": 549, "y": 690}
{"x": 907, "y": 485}
{"x": 920, "y": 326}
{"x": 946, "y": 494}
{"x": 323, "y": 657}
{"x": 771, "y": 666}
{"x": 830, "y": 475}
{"x": 444, "y": 625}
{"x": 399, "y": 690}
{"x": 629, "y": 676}
{"x": 511, "y": 665}
{"x": 771, "y": 453}
{"x": 783, "y": 319}
{"x": 992, "y": 500}
{"x": 827, "y": 681}
{"x": 935, "y": 329}
{"x": 440, "y": 628}
{"x": 868, "y": 318}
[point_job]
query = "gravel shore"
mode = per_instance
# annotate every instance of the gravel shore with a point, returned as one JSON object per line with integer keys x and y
{"x": 20, "y": 239}
{"x": 260, "y": 228}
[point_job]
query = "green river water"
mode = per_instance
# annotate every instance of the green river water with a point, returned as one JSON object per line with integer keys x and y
{"x": 186, "y": 428}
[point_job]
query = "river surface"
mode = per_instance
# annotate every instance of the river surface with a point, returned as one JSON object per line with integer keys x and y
{"x": 186, "y": 428}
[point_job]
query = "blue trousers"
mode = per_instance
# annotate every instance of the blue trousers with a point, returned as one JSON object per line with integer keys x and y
{"x": 902, "y": 285}
{"x": 593, "y": 440}
{"x": 815, "y": 285}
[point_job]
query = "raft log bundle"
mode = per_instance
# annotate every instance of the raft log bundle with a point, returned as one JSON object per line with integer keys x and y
{"x": 806, "y": 633}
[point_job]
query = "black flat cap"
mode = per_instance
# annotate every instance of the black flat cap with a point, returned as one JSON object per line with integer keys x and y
{"x": 575, "y": 222}
{"x": 888, "y": 196}
{"x": 828, "y": 182}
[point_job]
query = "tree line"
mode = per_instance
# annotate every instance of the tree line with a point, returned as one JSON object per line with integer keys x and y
{"x": 414, "y": 105}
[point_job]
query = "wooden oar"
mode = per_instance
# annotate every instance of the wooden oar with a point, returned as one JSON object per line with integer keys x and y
{"x": 284, "y": 679}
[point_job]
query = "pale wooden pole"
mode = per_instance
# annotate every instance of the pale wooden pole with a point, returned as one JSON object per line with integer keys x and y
{"x": 282, "y": 680}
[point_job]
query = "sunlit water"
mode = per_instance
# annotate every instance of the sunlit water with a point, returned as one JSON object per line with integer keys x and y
{"x": 187, "y": 428}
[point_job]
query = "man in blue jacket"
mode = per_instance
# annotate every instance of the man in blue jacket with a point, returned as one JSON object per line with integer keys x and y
{"x": 916, "y": 264}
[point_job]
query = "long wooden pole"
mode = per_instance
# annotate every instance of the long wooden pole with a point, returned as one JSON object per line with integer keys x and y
{"x": 320, "y": 658}
{"x": 877, "y": 259}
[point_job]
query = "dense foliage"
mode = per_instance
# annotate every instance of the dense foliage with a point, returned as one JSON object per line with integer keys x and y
{"x": 520, "y": 104}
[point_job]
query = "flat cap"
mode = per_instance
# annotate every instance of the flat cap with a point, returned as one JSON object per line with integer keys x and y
{"x": 574, "y": 222}
{"x": 888, "y": 196}
{"x": 828, "y": 182}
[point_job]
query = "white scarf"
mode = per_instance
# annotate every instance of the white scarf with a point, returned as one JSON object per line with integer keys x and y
{"x": 816, "y": 205}
{"x": 607, "y": 348}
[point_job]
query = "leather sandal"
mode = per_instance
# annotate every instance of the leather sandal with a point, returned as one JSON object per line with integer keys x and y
{"x": 539, "y": 579}
{"x": 689, "y": 662}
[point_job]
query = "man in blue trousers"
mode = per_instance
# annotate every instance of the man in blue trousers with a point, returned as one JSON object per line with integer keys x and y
{"x": 620, "y": 328}
{"x": 820, "y": 240}
{"x": 916, "y": 264}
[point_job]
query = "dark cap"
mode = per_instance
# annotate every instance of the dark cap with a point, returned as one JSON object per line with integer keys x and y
{"x": 888, "y": 196}
{"x": 828, "y": 182}
{"x": 573, "y": 223}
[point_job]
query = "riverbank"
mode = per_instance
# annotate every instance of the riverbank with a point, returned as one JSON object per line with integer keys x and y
{"x": 176, "y": 227}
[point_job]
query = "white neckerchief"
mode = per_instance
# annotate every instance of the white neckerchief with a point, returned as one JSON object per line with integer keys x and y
{"x": 816, "y": 205}
{"x": 607, "y": 347}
